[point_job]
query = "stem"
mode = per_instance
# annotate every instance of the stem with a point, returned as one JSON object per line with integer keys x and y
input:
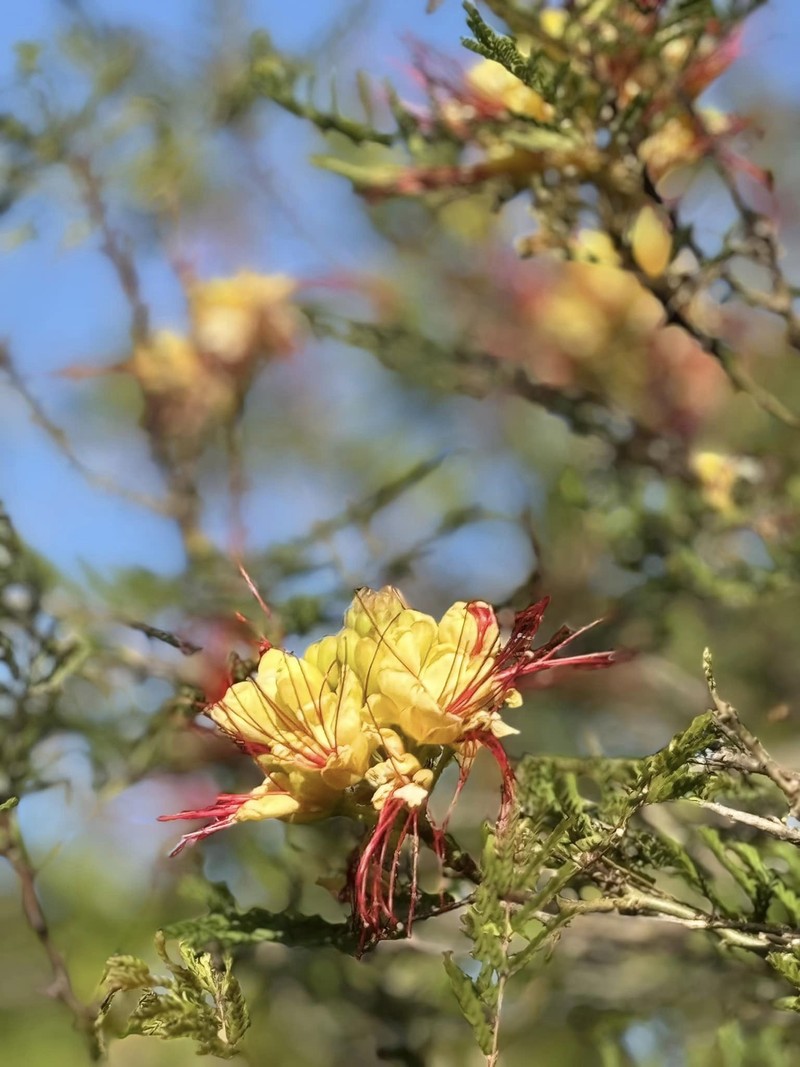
{"x": 112, "y": 246}
{"x": 502, "y": 979}
{"x": 727, "y": 718}
{"x": 62, "y": 442}
{"x": 767, "y": 824}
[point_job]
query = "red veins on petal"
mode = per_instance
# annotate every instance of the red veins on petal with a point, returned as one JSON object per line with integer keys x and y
{"x": 485, "y": 617}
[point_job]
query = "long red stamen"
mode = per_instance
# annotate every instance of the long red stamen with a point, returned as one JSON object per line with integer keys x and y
{"x": 508, "y": 778}
{"x": 222, "y": 811}
{"x": 374, "y": 882}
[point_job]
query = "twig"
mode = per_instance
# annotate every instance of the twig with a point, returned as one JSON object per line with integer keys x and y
{"x": 112, "y": 247}
{"x": 727, "y": 718}
{"x": 62, "y": 443}
{"x": 186, "y": 648}
{"x": 767, "y": 824}
{"x": 757, "y": 937}
{"x": 502, "y": 980}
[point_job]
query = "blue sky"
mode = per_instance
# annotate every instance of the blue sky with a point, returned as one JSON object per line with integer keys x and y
{"x": 62, "y": 306}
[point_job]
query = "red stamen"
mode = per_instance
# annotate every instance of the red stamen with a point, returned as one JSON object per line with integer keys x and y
{"x": 222, "y": 811}
{"x": 251, "y": 585}
{"x": 375, "y": 877}
{"x": 509, "y": 781}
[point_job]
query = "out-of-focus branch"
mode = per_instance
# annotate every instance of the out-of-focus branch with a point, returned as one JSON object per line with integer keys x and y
{"x": 113, "y": 246}
{"x": 62, "y": 443}
{"x": 13, "y": 848}
{"x": 477, "y": 373}
{"x": 757, "y": 937}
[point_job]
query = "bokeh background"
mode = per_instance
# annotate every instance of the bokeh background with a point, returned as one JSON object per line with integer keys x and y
{"x": 362, "y": 464}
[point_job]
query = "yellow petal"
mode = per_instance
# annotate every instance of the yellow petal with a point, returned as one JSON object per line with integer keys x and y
{"x": 244, "y": 713}
{"x": 372, "y": 610}
{"x": 412, "y": 795}
{"x": 268, "y": 803}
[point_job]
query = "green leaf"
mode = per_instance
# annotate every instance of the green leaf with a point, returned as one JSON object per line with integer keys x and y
{"x": 503, "y": 50}
{"x": 126, "y": 972}
{"x": 258, "y": 925}
{"x": 730, "y": 1042}
{"x": 787, "y": 964}
{"x": 199, "y": 1000}
{"x": 750, "y": 884}
{"x": 470, "y": 1004}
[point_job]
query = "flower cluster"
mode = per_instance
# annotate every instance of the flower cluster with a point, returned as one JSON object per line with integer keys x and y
{"x": 626, "y": 58}
{"x": 364, "y": 722}
{"x": 193, "y": 381}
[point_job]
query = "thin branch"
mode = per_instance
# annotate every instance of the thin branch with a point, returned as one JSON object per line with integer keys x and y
{"x": 767, "y": 824}
{"x": 753, "y": 936}
{"x": 62, "y": 443}
{"x": 502, "y": 980}
{"x": 186, "y": 648}
{"x": 113, "y": 247}
{"x": 727, "y": 718}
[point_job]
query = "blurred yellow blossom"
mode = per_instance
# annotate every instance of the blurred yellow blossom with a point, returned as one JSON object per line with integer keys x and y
{"x": 500, "y": 86}
{"x": 651, "y": 241}
{"x": 235, "y": 320}
{"x": 166, "y": 363}
{"x": 683, "y": 140}
{"x": 719, "y": 473}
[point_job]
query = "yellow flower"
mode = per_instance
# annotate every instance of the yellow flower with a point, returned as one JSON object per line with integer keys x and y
{"x": 304, "y": 727}
{"x": 293, "y": 797}
{"x": 183, "y": 396}
{"x": 719, "y": 475}
{"x": 554, "y": 21}
{"x": 294, "y": 715}
{"x": 435, "y": 681}
{"x": 682, "y": 141}
{"x": 355, "y": 717}
{"x": 595, "y": 246}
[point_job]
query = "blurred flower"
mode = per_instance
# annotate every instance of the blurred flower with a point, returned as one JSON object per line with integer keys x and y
{"x": 237, "y": 320}
{"x": 501, "y": 88}
{"x": 719, "y": 474}
{"x": 651, "y": 242}
{"x": 183, "y": 398}
{"x": 684, "y": 140}
{"x": 364, "y": 721}
{"x": 591, "y": 324}
{"x": 193, "y": 383}
{"x": 166, "y": 363}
